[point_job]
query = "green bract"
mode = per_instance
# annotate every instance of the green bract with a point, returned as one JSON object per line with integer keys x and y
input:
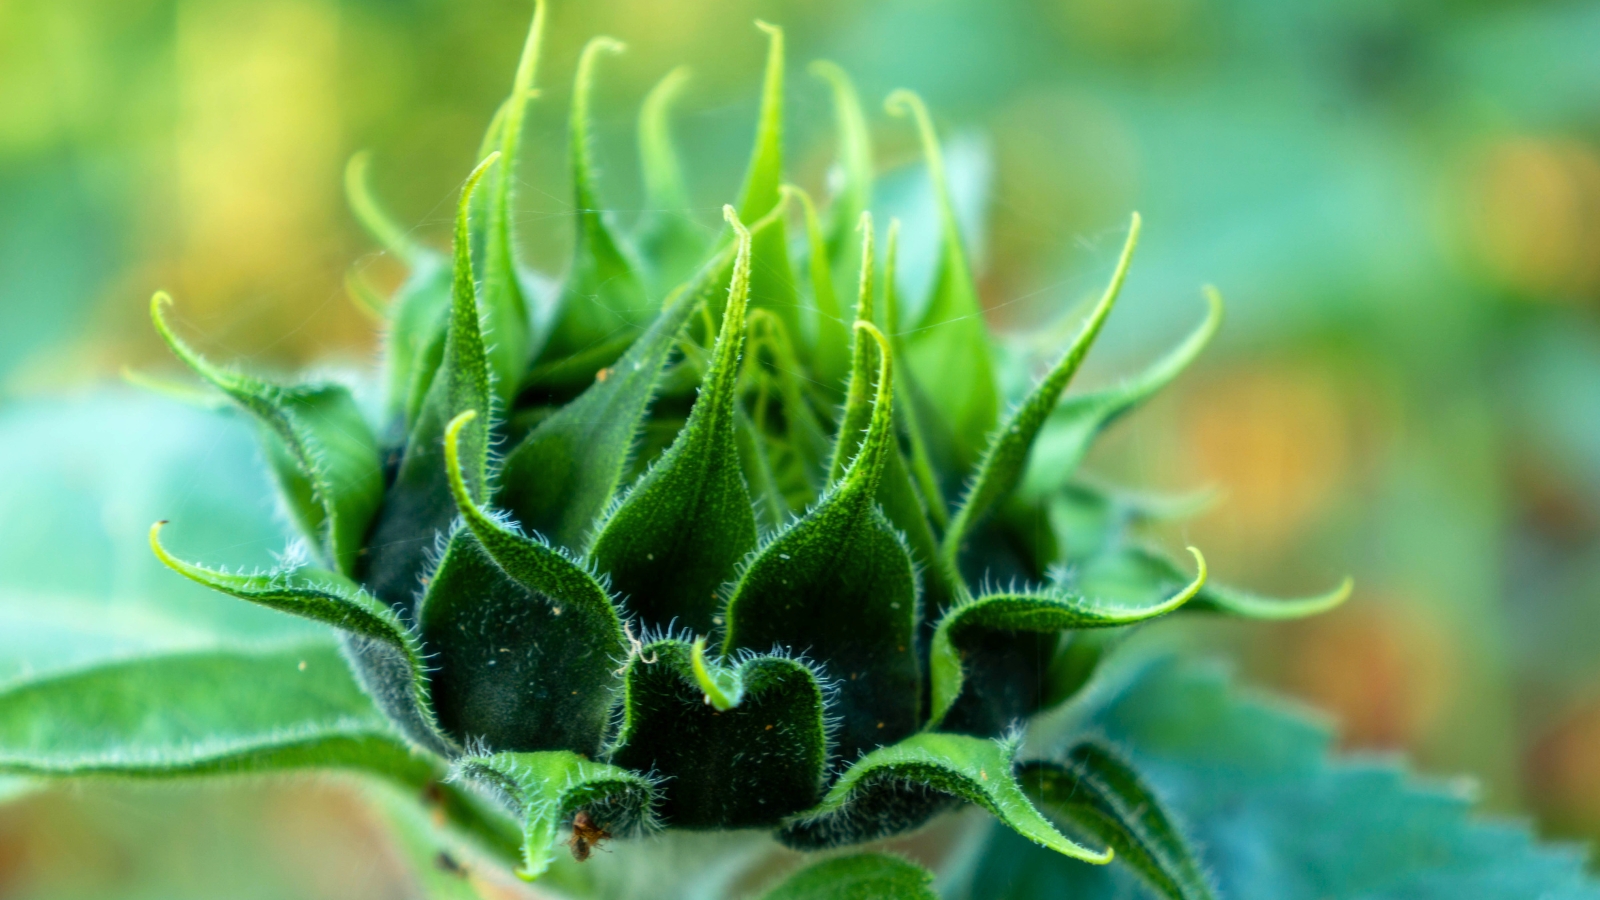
{"x": 727, "y": 567}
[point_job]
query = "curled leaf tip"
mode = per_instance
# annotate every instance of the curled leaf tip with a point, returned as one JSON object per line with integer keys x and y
{"x": 731, "y": 216}
{"x": 713, "y": 690}
{"x": 864, "y": 224}
{"x": 452, "y": 460}
{"x": 1213, "y": 299}
{"x": 775, "y": 30}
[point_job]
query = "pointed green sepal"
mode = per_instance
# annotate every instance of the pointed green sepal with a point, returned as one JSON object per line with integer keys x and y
{"x": 862, "y": 876}
{"x": 550, "y": 790}
{"x": 948, "y": 351}
{"x": 839, "y": 584}
{"x": 418, "y": 506}
{"x": 397, "y": 676}
{"x": 740, "y": 744}
{"x": 603, "y": 296}
{"x": 566, "y": 472}
{"x": 538, "y": 567}
{"x": 1006, "y": 457}
{"x": 1099, "y": 792}
{"x": 899, "y": 787}
{"x": 679, "y": 533}
{"x": 973, "y": 639}
{"x": 765, "y": 173}
{"x": 504, "y": 307}
{"x": 321, "y": 450}
{"x": 1074, "y": 425}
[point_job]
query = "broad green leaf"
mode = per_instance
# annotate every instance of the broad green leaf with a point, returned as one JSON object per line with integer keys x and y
{"x": 863, "y": 876}
{"x": 196, "y": 713}
{"x": 547, "y": 790}
{"x": 1098, "y": 791}
{"x": 1137, "y": 573}
{"x": 958, "y": 644}
{"x": 503, "y": 306}
{"x": 418, "y": 505}
{"x": 898, "y": 787}
{"x": 669, "y": 239}
{"x": 839, "y": 586}
{"x": 948, "y": 351}
{"x": 1276, "y": 815}
{"x": 603, "y": 297}
{"x": 563, "y": 475}
{"x": 573, "y": 697}
{"x": 394, "y": 671}
{"x": 1006, "y": 457}
{"x": 1065, "y": 438}
{"x": 740, "y": 745}
{"x": 677, "y": 535}
{"x": 320, "y": 448}
{"x": 854, "y": 162}
{"x": 830, "y": 357}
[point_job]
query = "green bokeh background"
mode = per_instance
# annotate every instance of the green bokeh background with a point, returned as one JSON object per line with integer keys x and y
{"x": 1401, "y": 202}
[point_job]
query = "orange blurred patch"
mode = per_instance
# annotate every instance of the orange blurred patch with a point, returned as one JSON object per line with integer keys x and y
{"x": 1384, "y": 671}
{"x": 1276, "y": 441}
{"x": 1534, "y": 215}
{"x": 1562, "y": 769}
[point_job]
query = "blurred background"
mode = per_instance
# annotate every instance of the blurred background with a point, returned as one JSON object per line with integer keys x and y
{"x": 1400, "y": 200}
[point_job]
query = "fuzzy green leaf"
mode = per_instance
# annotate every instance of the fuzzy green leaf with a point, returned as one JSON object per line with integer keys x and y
{"x": 547, "y": 790}
{"x": 503, "y": 306}
{"x": 863, "y": 876}
{"x": 583, "y": 622}
{"x": 677, "y": 535}
{"x": 1074, "y": 425}
{"x": 899, "y": 787}
{"x": 320, "y": 448}
{"x": 418, "y": 506}
{"x": 514, "y": 667}
{"x": 1276, "y": 816}
{"x": 739, "y": 746}
{"x": 669, "y": 239}
{"x": 210, "y": 712}
{"x": 387, "y": 653}
{"x": 838, "y": 585}
{"x": 948, "y": 351}
{"x": 1006, "y": 457}
{"x": 962, "y": 630}
{"x": 1138, "y": 573}
{"x": 1101, "y": 793}
{"x": 563, "y": 475}
{"x": 604, "y": 297}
